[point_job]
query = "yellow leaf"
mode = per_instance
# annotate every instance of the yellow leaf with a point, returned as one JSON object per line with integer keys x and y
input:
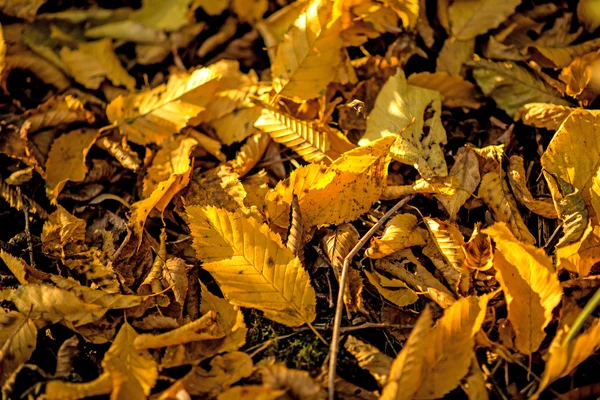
{"x": 168, "y": 17}
{"x": 2, "y": 51}
{"x": 92, "y": 62}
{"x": 250, "y": 392}
{"x": 530, "y": 286}
{"x": 299, "y": 384}
{"x": 401, "y": 111}
{"x": 454, "y": 54}
{"x": 518, "y": 183}
{"x": 393, "y": 290}
{"x": 301, "y": 136}
{"x": 474, "y": 385}
{"x": 469, "y": 19}
{"x": 465, "y": 172}
{"x": 133, "y": 372}
{"x": 455, "y": 91}
{"x": 309, "y": 54}
{"x": 588, "y": 12}
{"x": 43, "y": 69}
{"x": 16, "y": 265}
{"x": 240, "y": 252}
{"x": 562, "y": 359}
{"x": 204, "y": 328}
{"x": 163, "y": 193}
{"x": 578, "y": 75}
{"x": 513, "y": 86}
{"x": 449, "y": 241}
{"x": 582, "y": 255}
{"x": 445, "y": 186}
{"x": 561, "y": 57}
{"x": 154, "y": 115}
{"x": 407, "y": 10}
{"x": 544, "y": 115}
{"x": 250, "y": 153}
{"x": 209, "y": 144}
{"x": 369, "y": 358}
{"x": 66, "y": 160}
{"x": 250, "y": 10}
{"x": 406, "y": 373}
{"x": 212, "y": 7}
{"x": 64, "y": 109}
{"x": 478, "y": 251}
{"x": 237, "y": 125}
{"x": 61, "y": 390}
{"x": 18, "y": 337}
{"x": 494, "y": 192}
{"x": 400, "y": 232}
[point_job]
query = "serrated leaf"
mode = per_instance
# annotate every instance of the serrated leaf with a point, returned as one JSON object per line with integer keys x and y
{"x": 562, "y": 359}
{"x": 406, "y": 372}
{"x": 582, "y": 255}
{"x": 15, "y": 265}
{"x": 403, "y": 111}
{"x": 544, "y": 115}
{"x": 154, "y": 115}
{"x": 469, "y": 19}
{"x": 393, "y": 290}
{"x": 92, "y": 62}
{"x": 530, "y": 286}
{"x": 513, "y": 86}
{"x": 465, "y": 172}
{"x": 517, "y": 178}
{"x": 18, "y": 335}
{"x": 250, "y": 153}
{"x": 369, "y": 358}
{"x": 494, "y": 192}
{"x": 301, "y": 136}
{"x": 239, "y": 251}
{"x": 309, "y": 54}
{"x": 400, "y": 233}
{"x": 478, "y": 251}
{"x": 66, "y": 160}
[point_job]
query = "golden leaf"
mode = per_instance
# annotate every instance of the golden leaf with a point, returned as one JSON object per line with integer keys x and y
{"x": 301, "y": 136}
{"x": 92, "y": 62}
{"x": 66, "y": 160}
{"x": 582, "y": 255}
{"x": 530, "y": 286}
{"x": 209, "y": 144}
{"x": 517, "y": 178}
{"x": 222, "y": 240}
{"x": 474, "y": 385}
{"x": 469, "y": 19}
{"x": 18, "y": 337}
{"x": 406, "y": 373}
{"x": 309, "y": 54}
{"x": 64, "y": 109}
{"x": 561, "y": 57}
{"x": 369, "y": 358}
{"x": 402, "y": 111}
{"x": 393, "y": 290}
{"x": 237, "y": 125}
{"x": 120, "y": 151}
{"x": 562, "y": 359}
{"x": 513, "y": 86}
{"x": 454, "y": 54}
{"x": 43, "y": 69}
{"x": 455, "y": 91}
{"x": 249, "y": 11}
{"x": 589, "y": 14}
{"x": 154, "y": 115}
{"x": 212, "y": 7}
{"x": 445, "y": 186}
{"x": 299, "y": 384}
{"x": 250, "y": 392}
{"x": 407, "y": 10}
{"x": 578, "y": 75}
{"x": 449, "y": 241}
{"x": 400, "y": 232}
{"x": 544, "y": 115}
{"x": 204, "y": 328}
{"x": 449, "y": 349}
{"x": 478, "y": 251}
{"x": 250, "y": 153}
{"x": 465, "y": 172}
{"x": 128, "y": 373}
{"x": 494, "y": 192}
{"x": 17, "y": 266}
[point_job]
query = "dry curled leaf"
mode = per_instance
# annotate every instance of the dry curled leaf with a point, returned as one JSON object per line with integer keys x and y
{"x": 518, "y": 183}
{"x": 400, "y": 233}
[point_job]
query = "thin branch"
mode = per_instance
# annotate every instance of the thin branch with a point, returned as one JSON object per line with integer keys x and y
{"x": 334, "y": 346}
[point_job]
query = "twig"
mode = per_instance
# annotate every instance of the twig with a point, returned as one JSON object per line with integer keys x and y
{"x": 334, "y": 346}
{"x": 582, "y": 317}
{"x": 27, "y": 230}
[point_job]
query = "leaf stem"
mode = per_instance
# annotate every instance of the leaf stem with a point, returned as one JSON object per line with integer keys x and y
{"x": 334, "y": 346}
{"x": 582, "y": 317}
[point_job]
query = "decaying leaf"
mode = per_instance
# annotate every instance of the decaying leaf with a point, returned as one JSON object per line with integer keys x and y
{"x": 465, "y": 172}
{"x": 400, "y": 233}
{"x": 518, "y": 183}
{"x": 530, "y": 286}
{"x": 411, "y": 115}
{"x": 221, "y": 239}
{"x": 478, "y": 251}
{"x": 297, "y": 383}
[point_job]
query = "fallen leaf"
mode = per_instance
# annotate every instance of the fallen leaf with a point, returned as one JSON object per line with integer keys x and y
{"x": 465, "y": 172}
{"x": 518, "y": 183}
{"x": 469, "y": 19}
{"x": 544, "y": 115}
{"x": 369, "y": 358}
{"x": 393, "y": 290}
{"x": 400, "y": 233}
{"x": 18, "y": 337}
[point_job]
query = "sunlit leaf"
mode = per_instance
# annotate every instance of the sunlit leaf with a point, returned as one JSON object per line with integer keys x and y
{"x": 18, "y": 337}
{"x": 518, "y": 183}
{"x": 393, "y": 290}
{"x": 400, "y": 232}
{"x": 469, "y": 19}
{"x": 465, "y": 172}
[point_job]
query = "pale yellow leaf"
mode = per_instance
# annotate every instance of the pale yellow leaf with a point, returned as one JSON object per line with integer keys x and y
{"x": 127, "y": 30}
{"x": 494, "y": 192}
{"x": 92, "y": 62}
{"x": 544, "y": 115}
{"x": 465, "y": 172}
{"x": 513, "y": 86}
{"x": 562, "y": 359}
{"x": 393, "y": 290}
{"x": 454, "y": 54}
{"x": 237, "y": 125}
{"x": 400, "y": 232}
{"x": 66, "y": 160}
{"x": 469, "y": 19}
{"x": 403, "y": 111}
{"x": 308, "y": 56}
{"x": 370, "y": 358}
{"x": 561, "y": 57}
{"x": 454, "y": 89}
{"x": 518, "y": 183}
{"x": 165, "y": 16}
{"x": 251, "y": 265}
{"x": 530, "y": 286}
{"x": 406, "y": 373}
{"x": 449, "y": 347}
{"x": 18, "y": 337}
{"x": 303, "y": 137}
{"x": 154, "y": 115}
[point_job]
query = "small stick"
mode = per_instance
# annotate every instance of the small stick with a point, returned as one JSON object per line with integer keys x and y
{"x": 334, "y": 346}
{"x": 27, "y": 230}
